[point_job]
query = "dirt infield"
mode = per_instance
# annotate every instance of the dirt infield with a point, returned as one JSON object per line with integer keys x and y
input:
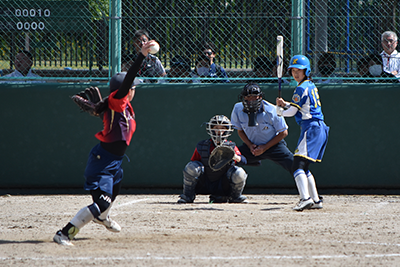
{"x": 351, "y": 230}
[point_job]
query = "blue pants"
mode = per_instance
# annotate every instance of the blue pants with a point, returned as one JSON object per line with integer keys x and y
{"x": 279, "y": 153}
{"x": 103, "y": 170}
{"x": 312, "y": 141}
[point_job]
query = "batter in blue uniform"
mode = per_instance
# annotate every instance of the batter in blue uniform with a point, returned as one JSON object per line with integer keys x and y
{"x": 306, "y": 108}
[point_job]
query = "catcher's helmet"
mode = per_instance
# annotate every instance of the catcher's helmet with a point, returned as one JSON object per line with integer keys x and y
{"x": 300, "y": 62}
{"x": 217, "y": 134}
{"x": 251, "y": 89}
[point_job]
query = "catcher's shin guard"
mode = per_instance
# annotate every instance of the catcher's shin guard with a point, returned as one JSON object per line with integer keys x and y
{"x": 237, "y": 177}
{"x": 191, "y": 172}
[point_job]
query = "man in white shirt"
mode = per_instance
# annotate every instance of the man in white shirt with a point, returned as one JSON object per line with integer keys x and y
{"x": 23, "y": 63}
{"x": 390, "y": 56}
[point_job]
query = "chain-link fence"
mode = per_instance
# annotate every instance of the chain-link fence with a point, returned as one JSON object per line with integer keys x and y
{"x": 71, "y": 40}
{"x": 66, "y": 40}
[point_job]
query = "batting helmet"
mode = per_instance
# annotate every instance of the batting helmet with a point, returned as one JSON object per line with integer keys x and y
{"x": 300, "y": 62}
{"x": 219, "y": 135}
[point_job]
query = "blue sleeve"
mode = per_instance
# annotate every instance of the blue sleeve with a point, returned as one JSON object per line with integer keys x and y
{"x": 235, "y": 119}
{"x": 279, "y": 123}
{"x": 298, "y": 97}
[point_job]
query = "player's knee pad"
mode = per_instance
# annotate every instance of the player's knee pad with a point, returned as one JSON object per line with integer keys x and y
{"x": 300, "y": 163}
{"x": 101, "y": 199}
{"x": 193, "y": 170}
{"x": 237, "y": 175}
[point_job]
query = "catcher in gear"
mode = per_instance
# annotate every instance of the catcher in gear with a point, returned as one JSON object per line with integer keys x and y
{"x": 215, "y": 173}
{"x": 103, "y": 173}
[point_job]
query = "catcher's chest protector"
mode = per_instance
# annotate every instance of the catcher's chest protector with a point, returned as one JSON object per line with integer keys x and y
{"x": 203, "y": 147}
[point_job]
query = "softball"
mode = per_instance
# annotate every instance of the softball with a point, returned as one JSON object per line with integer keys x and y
{"x": 154, "y": 48}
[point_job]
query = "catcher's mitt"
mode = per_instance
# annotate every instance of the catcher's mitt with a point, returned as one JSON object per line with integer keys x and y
{"x": 87, "y": 100}
{"x": 221, "y": 156}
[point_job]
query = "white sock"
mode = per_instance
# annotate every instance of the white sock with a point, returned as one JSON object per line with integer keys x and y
{"x": 312, "y": 188}
{"x": 302, "y": 183}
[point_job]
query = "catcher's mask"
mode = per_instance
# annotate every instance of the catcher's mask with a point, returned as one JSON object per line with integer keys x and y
{"x": 251, "y": 107}
{"x": 219, "y": 134}
{"x": 117, "y": 79}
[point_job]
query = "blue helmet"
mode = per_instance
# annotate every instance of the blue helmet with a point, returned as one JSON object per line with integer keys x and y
{"x": 300, "y": 62}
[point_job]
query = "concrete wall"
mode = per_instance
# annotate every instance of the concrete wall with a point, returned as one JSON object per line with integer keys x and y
{"x": 45, "y": 139}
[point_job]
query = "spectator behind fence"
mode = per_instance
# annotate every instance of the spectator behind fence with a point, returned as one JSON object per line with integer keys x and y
{"x": 23, "y": 68}
{"x": 202, "y": 69}
{"x": 151, "y": 66}
{"x": 180, "y": 68}
{"x": 326, "y": 67}
{"x": 216, "y": 71}
{"x": 390, "y": 56}
{"x": 370, "y": 66}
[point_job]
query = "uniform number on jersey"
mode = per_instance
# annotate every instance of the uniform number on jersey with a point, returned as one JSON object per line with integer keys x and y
{"x": 314, "y": 93}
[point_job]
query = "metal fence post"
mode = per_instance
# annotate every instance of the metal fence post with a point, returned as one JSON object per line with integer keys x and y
{"x": 297, "y": 46}
{"x": 115, "y": 36}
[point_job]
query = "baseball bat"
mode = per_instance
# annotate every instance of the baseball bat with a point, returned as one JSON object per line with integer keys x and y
{"x": 279, "y": 61}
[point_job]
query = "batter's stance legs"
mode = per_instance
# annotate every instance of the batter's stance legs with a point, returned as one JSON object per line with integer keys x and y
{"x": 312, "y": 188}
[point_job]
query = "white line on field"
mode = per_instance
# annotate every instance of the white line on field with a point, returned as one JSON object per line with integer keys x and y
{"x": 129, "y": 203}
{"x": 361, "y": 243}
{"x": 198, "y": 258}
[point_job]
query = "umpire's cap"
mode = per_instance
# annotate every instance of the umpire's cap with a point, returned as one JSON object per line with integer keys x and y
{"x": 117, "y": 79}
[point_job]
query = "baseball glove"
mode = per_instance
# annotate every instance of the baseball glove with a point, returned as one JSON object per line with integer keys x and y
{"x": 221, "y": 156}
{"x": 87, "y": 100}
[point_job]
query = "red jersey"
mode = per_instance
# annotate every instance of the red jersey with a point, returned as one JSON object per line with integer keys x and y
{"x": 119, "y": 121}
